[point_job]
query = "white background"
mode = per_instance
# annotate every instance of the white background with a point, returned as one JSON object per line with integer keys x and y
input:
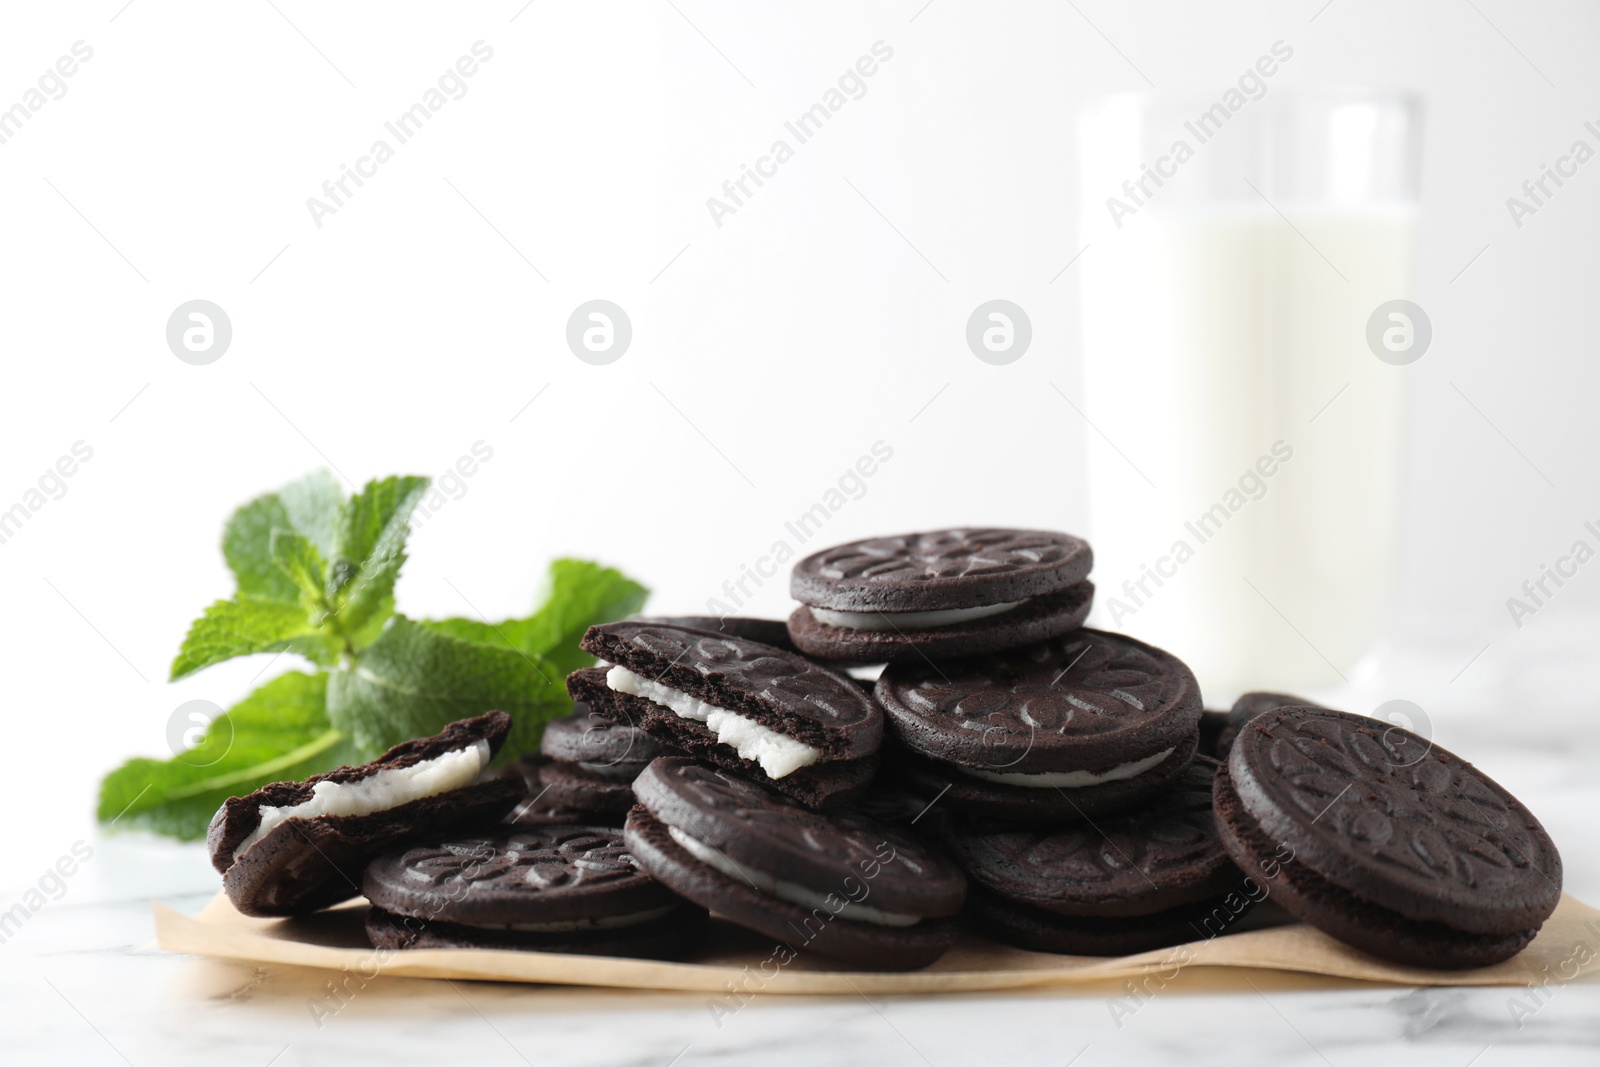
{"x": 768, "y": 354}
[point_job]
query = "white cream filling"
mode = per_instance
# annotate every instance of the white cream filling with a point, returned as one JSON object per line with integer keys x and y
{"x": 778, "y": 754}
{"x": 787, "y": 891}
{"x": 381, "y": 791}
{"x": 606, "y": 922}
{"x": 1070, "y": 779}
{"x": 906, "y": 620}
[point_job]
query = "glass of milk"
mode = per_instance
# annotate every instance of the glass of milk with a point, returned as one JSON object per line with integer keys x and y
{"x": 1245, "y": 442}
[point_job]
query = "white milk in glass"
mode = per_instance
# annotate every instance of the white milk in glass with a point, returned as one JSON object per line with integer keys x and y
{"x": 1246, "y": 444}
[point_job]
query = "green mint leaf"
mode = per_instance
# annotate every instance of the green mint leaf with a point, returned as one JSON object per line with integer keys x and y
{"x": 369, "y": 549}
{"x": 246, "y": 545}
{"x": 499, "y": 634}
{"x": 246, "y": 625}
{"x": 414, "y": 680}
{"x": 313, "y": 506}
{"x": 309, "y": 507}
{"x": 581, "y": 594}
{"x": 298, "y": 559}
{"x": 280, "y": 732}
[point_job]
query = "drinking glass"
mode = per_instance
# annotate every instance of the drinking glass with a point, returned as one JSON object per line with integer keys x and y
{"x": 1246, "y": 330}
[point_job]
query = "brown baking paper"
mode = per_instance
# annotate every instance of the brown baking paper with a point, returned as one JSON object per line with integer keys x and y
{"x": 1567, "y": 946}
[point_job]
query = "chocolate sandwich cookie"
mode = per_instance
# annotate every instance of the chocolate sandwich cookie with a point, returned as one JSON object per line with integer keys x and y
{"x": 545, "y": 888}
{"x": 1391, "y": 845}
{"x": 1244, "y": 709}
{"x": 767, "y": 632}
{"x": 537, "y": 808}
{"x": 1067, "y": 729}
{"x": 842, "y": 885}
{"x": 590, "y": 763}
{"x": 291, "y": 848}
{"x": 1154, "y": 876}
{"x": 772, "y": 632}
{"x": 930, "y": 596}
{"x": 774, "y": 716}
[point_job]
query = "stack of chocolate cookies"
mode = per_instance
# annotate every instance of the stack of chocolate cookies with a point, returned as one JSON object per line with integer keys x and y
{"x": 1001, "y": 767}
{"x": 1065, "y": 760}
{"x": 1056, "y": 764}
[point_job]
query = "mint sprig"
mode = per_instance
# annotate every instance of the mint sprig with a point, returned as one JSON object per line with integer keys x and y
{"x": 314, "y": 575}
{"x": 413, "y": 680}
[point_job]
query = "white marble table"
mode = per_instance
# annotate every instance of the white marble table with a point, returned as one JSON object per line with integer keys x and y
{"x": 81, "y": 982}
{"x": 83, "y": 986}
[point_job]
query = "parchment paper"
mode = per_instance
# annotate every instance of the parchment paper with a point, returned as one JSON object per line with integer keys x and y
{"x": 1567, "y": 946}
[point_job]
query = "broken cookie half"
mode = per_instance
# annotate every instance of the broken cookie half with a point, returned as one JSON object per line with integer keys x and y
{"x": 762, "y": 712}
{"x": 291, "y": 848}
